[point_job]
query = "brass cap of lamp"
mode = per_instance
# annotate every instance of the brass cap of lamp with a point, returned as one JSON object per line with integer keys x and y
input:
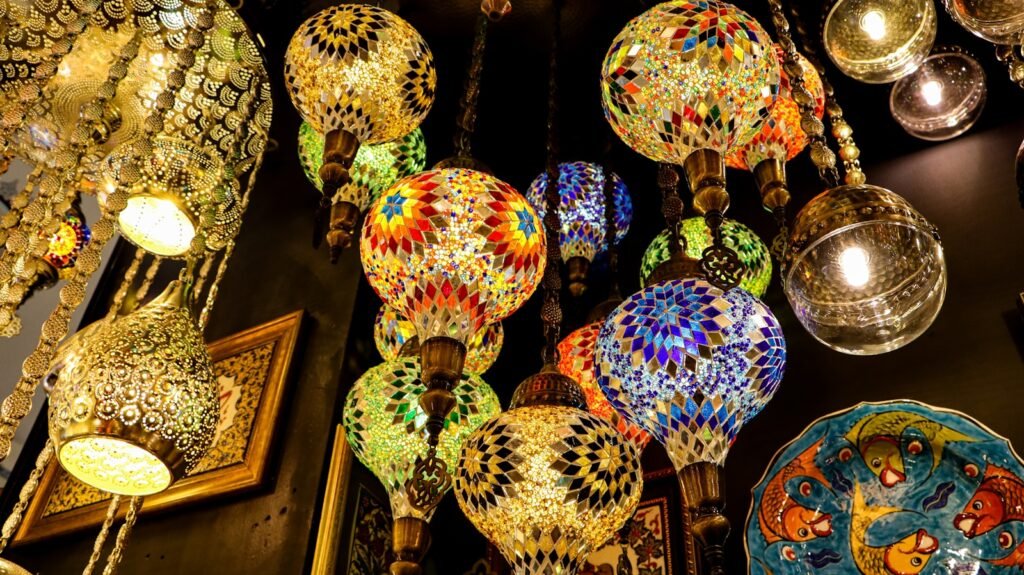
{"x": 604, "y": 309}
{"x": 441, "y": 364}
{"x": 705, "y": 172}
{"x": 579, "y": 267}
{"x": 770, "y": 177}
{"x": 410, "y": 540}
{"x": 549, "y": 387}
{"x": 139, "y": 408}
{"x": 465, "y": 162}
{"x": 344, "y": 220}
{"x": 678, "y": 266}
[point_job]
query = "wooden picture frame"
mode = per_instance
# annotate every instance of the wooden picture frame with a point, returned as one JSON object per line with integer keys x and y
{"x": 252, "y": 369}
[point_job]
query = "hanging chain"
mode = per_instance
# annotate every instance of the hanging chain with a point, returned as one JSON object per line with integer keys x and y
{"x": 841, "y": 130}
{"x": 126, "y": 283}
{"x": 28, "y": 491}
{"x": 18, "y": 203}
{"x": 204, "y": 273}
{"x": 114, "y": 559}
{"x": 147, "y": 280}
{"x": 671, "y": 207}
{"x": 610, "y": 232}
{"x": 19, "y": 403}
{"x": 465, "y": 122}
{"x": 551, "y": 310}
{"x": 101, "y": 538}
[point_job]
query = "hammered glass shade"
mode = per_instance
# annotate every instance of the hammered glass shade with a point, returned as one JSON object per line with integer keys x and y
{"x": 688, "y": 75}
{"x": 879, "y": 41}
{"x": 375, "y": 168}
{"x": 547, "y": 485}
{"x": 753, "y": 253}
{"x": 691, "y": 365}
{"x": 67, "y": 242}
{"x": 391, "y": 332}
{"x": 360, "y": 69}
{"x": 581, "y": 189}
{"x": 998, "y": 21}
{"x": 942, "y": 99}
{"x": 8, "y": 568}
{"x": 781, "y": 136}
{"x": 139, "y": 407}
{"x": 866, "y": 272}
{"x": 452, "y": 250}
{"x": 576, "y": 360}
{"x": 384, "y": 424}
{"x": 179, "y": 196}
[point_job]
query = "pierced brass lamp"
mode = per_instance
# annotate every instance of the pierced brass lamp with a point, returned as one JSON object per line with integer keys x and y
{"x": 139, "y": 408}
{"x": 357, "y": 74}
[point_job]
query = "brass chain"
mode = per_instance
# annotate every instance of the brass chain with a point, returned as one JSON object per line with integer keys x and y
{"x": 101, "y": 537}
{"x": 551, "y": 309}
{"x": 126, "y": 283}
{"x": 610, "y": 232}
{"x": 18, "y": 203}
{"x": 147, "y": 280}
{"x": 114, "y": 559}
{"x": 28, "y": 491}
{"x": 672, "y": 207}
{"x": 465, "y": 122}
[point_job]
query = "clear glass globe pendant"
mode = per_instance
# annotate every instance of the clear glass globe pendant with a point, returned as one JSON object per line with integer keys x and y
{"x": 943, "y": 98}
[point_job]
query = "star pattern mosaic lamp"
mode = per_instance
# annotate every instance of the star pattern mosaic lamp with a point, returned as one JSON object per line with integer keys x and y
{"x": 581, "y": 188}
{"x": 691, "y": 365}
{"x": 357, "y": 74}
{"x": 576, "y": 360}
{"x": 138, "y": 409}
{"x": 391, "y": 333}
{"x": 386, "y": 428}
{"x": 876, "y": 41}
{"x": 752, "y": 252}
{"x": 547, "y": 482}
{"x": 375, "y": 168}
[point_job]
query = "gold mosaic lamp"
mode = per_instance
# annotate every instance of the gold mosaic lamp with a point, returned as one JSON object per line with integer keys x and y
{"x": 357, "y": 74}
{"x": 139, "y": 407}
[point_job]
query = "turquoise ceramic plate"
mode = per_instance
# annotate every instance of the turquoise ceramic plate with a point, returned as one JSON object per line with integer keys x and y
{"x": 896, "y": 488}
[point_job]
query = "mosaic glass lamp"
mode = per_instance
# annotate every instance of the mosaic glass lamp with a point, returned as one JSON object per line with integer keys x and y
{"x": 67, "y": 242}
{"x": 581, "y": 187}
{"x": 376, "y": 167}
{"x": 139, "y": 408}
{"x": 998, "y": 21}
{"x": 576, "y": 353}
{"x": 877, "y": 41}
{"x": 452, "y": 250}
{"x": 179, "y": 201}
{"x": 385, "y": 426}
{"x": 691, "y": 365}
{"x": 391, "y": 333}
{"x": 357, "y": 74}
{"x": 753, "y": 253}
{"x": 865, "y": 272}
{"x": 943, "y": 98}
{"x": 547, "y": 482}
{"x": 780, "y": 138}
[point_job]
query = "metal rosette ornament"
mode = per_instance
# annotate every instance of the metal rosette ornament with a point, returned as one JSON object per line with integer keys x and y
{"x": 682, "y": 84}
{"x": 691, "y": 365}
{"x": 392, "y": 333}
{"x": 576, "y": 360}
{"x": 375, "y": 168}
{"x": 386, "y": 427}
{"x": 359, "y": 75}
{"x": 451, "y": 250}
{"x": 694, "y": 234}
{"x": 581, "y": 189}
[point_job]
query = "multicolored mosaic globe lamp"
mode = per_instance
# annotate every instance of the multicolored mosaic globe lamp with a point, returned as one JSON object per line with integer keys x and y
{"x": 137, "y": 410}
{"x": 451, "y": 250}
{"x": 386, "y": 427}
{"x": 396, "y": 336}
{"x": 357, "y": 74}
{"x": 877, "y": 41}
{"x": 682, "y": 84}
{"x": 781, "y": 138}
{"x": 943, "y": 98}
{"x": 581, "y": 188}
{"x": 691, "y": 365}
{"x": 375, "y": 168}
{"x": 752, "y": 252}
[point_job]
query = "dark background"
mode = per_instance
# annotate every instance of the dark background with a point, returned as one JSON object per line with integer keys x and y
{"x": 972, "y": 359}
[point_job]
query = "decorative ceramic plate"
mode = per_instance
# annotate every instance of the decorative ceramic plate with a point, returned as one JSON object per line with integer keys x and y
{"x": 896, "y": 488}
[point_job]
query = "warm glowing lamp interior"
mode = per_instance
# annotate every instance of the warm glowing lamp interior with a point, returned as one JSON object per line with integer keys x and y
{"x": 115, "y": 466}
{"x": 873, "y": 23}
{"x": 158, "y": 225}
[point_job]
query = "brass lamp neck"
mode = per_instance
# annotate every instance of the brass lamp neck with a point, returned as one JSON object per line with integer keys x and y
{"x": 703, "y": 490}
{"x": 770, "y": 176}
{"x": 410, "y": 540}
{"x": 705, "y": 172}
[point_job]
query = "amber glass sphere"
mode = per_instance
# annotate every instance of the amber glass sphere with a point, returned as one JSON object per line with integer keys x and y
{"x": 865, "y": 271}
{"x": 942, "y": 99}
{"x": 686, "y": 75}
{"x": 361, "y": 69}
{"x": 998, "y": 21}
{"x": 879, "y": 41}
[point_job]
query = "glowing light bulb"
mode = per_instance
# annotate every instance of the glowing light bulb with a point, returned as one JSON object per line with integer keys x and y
{"x": 853, "y": 263}
{"x": 931, "y": 91}
{"x": 873, "y": 23}
{"x": 158, "y": 225}
{"x": 157, "y": 59}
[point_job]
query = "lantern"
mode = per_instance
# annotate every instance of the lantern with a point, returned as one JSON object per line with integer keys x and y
{"x": 876, "y": 41}
{"x": 391, "y": 333}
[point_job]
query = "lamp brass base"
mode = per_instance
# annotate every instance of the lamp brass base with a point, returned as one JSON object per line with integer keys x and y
{"x": 344, "y": 220}
{"x": 579, "y": 267}
{"x": 549, "y": 387}
{"x": 770, "y": 176}
{"x": 410, "y": 540}
{"x": 705, "y": 172}
{"x": 604, "y": 309}
{"x": 678, "y": 266}
{"x": 704, "y": 494}
{"x": 441, "y": 363}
